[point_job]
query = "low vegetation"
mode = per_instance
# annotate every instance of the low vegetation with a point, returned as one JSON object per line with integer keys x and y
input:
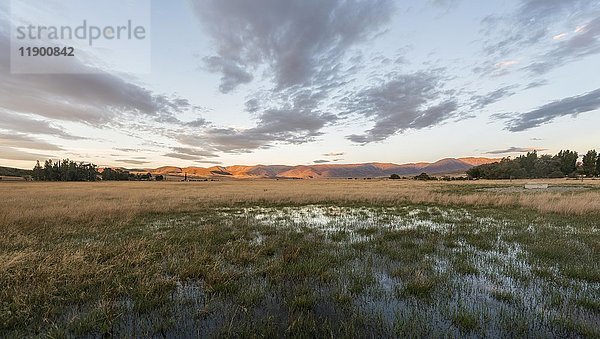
{"x": 14, "y": 172}
{"x": 311, "y": 258}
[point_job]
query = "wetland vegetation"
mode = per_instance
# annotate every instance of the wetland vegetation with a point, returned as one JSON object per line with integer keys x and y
{"x": 295, "y": 267}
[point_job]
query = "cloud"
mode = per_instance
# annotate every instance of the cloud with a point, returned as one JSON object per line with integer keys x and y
{"x": 560, "y": 36}
{"x": 94, "y": 99}
{"x": 536, "y": 10}
{"x": 495, "y": 68}
{"x": 535, "y": 84}
{"x": 292, "y": 125}
{"x": 233, "y": 74}
{"x": 444, "y": 3}
{"x": 211, "y": 162}
{"x": 200, "y": 122}
{"x": 482, "y": 101}
{"x": 537, "y": 27}
{"x": 132, "y": 161}
{"x": 300, "y": 48}
{"x": 530, "y": 23}
{"x": 273, "y": 126}
{"x": 296, "y": 41}
{"x": 566, "y": 107}
{"x": 26, "y": 124}
{"x": 194, "y": 151}
{"x": 334, "y": 154}
{"x": 325, "y": 161}
{"x": 506, "y": 63}
{"x": 182, "y": 156}
{"x": 517, "y": 150}
{"x": 586, "y": 42}
{"x": 130, "y": 150}
{"x": 405, "y": 101}
{"x": 10, "y": 153}
{"x": 25, "y": 141}
{"x": 188, "y": 153}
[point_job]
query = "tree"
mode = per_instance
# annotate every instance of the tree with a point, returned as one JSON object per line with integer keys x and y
{"x": 159, "y": 178}
{"x": 38, "y": 171}
{"x": 475, "y": 172}
{"x": 110, "y": 174}
{"x": 589, "y": 163}
{"x": 598, "y": 166}
{"x": 568, "y": 161}
{"x": 530, "y": 166}
{"x": 48, "y": 170}
{"x": 423, "y": 176}
{"x": 547, "y": 167}
{"x": 510, "y": 169}
{"x": 107, "y": 174}
{"x": 65, "y": 170}
{"x": 527, "y": 162}
{"x": 395, "y": 177}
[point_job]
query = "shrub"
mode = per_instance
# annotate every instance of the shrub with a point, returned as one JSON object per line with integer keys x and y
{"x": 424, "y": 176}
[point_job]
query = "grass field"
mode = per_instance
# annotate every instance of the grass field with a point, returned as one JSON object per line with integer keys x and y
{"x": 300, "y": 258}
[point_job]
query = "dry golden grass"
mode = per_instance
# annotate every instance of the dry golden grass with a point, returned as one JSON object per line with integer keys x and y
{"x": 93, "y": 203}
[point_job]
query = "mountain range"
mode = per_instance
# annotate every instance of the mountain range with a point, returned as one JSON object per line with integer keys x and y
{"x": 367, "y": 170}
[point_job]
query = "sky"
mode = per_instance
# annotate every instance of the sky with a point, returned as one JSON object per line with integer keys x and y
{"x": 296, "y": 82}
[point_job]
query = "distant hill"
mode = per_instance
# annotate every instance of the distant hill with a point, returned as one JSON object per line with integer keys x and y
{"x": 478, "y": 161}
{"x": 323, "y": 171}
{"x": 368, "y": 170}
{"x": 14, "y": 172}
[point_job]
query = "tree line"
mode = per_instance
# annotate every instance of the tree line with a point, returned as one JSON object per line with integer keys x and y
{"x": 65, "y": 170}
{"x": 117, "y": 174}
{"x": 532, "y": 166}
{"x": 68, "y": 170}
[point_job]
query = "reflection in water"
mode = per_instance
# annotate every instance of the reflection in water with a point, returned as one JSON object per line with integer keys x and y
{"x": 418, "y": 271}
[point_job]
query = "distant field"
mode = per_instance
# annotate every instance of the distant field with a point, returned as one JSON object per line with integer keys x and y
{"x": 300, "y": 257}
{"x": 11, "y": 178}
{"x": 126, "y": 199}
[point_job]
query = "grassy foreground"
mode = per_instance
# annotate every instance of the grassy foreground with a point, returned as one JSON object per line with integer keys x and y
{"x": 298, "y": 258}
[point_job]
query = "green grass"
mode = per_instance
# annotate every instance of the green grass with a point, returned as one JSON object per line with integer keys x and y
{"x": 465, "y": 321}
{"x": 419, "y": 287}
{"x": 590, "y": 304}
{"x": 503, "y": 296}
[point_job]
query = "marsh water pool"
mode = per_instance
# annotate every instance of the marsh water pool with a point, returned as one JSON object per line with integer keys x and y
{"x": 321, "y": 270}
